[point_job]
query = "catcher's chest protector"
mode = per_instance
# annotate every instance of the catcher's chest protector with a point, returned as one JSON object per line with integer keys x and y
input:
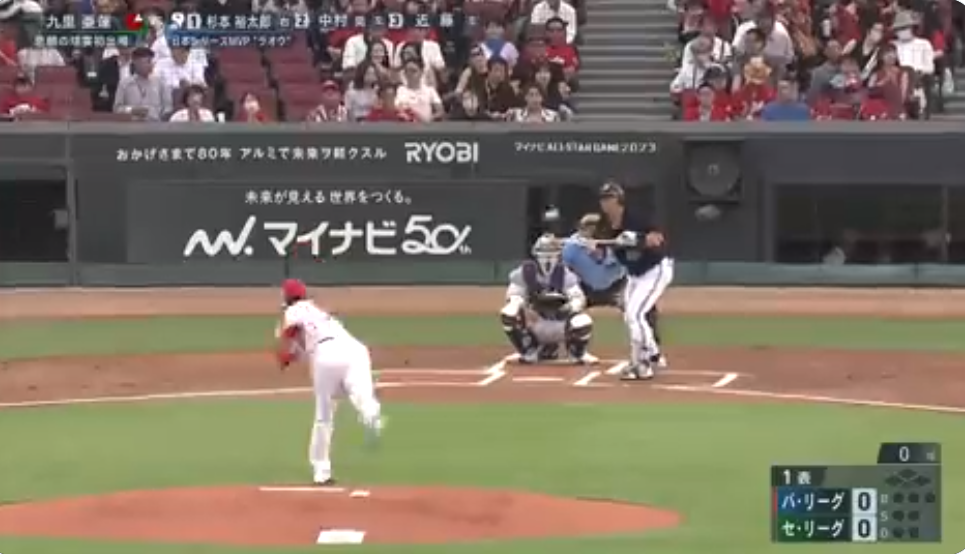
{"x": 538, "y": 284}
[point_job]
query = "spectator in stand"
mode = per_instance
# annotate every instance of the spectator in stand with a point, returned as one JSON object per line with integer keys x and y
{"x": 362, "y": 93}
{"x": 22, "y": 99}
{"x": 778, "y": 48}
{"x": 249, "y": 109}
{"x": 331, "y": 108}
{"x": 787, "y": 106}
{"x": 156, "y": 39}
{"x": 875, "y": 107}
{"x": 473, "y": 77}
{"x": 379, "y": 58}
{"x": 721, "y": 51}
{"x": 142, "y": 94}
{"x": 467, "y": 108}
{"x": 410, "y": 52}
{"x": 891, "y": 82}
{"x": 387, "y": 109}
{"x": 336, "y": 39}
{"x": 719, "y": 80}
{"x": 555, "y": 91}
{"x": 357, "y": 46}
{"x": 691, "y": 19}
{"x": 550, "y": 9}
{"x": 427, "y": 50}
{"x": 533, "y": 110}
{"x": 559, "y": 52}
{"x": 414, "y": 95}
{"x": 755, "y": 90}
{"x": 868, "y": 52}
{"x": 845, "y": 25}
{"x": 691, "y": 75}
{"x": 499, "y": 95}
{"x": 496, "y": 45}
{"x": 752, "y": 47}
{"x": 918, "y": 55}
{"x": 179, "y": 70}
{"x": 193, "y": 110}
{"x": 822, "y": 75}
{"x": 534, "y": 55}
{"x": 705, "y": 106}
{"x": 111, "y": 71}
{"x": 844, "y": 95}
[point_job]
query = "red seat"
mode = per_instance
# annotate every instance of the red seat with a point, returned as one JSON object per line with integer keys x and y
{"x": 48, "y": 75}
{"x": 298, "y": 111}
{"x": 243, "y": 73}
{"x": 62, "y": 95}
{"x": 296, "y": 54}
{"x": 298, "y": 72}
{"x": 300, "y": 94}
{"x": 239, "y": 56}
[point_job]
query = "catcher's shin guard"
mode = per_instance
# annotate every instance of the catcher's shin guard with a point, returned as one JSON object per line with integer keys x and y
{"x": 517, "y": 333}
{"x": 579, "y": 330}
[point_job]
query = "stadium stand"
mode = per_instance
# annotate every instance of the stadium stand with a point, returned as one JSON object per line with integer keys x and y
{"x": 502, "y": 60}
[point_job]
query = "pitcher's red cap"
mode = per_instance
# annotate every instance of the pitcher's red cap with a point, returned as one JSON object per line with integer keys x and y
{"x": 294, "y": 288}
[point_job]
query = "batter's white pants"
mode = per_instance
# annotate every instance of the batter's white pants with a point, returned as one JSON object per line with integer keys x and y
{"x": 640, "y": 296}
{"x": 339, "y": 367}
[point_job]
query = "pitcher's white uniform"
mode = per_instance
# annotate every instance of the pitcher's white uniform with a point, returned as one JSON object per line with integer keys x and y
{"x": 339, "y": 364}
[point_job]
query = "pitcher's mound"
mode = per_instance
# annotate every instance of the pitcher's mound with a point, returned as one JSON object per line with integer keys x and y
{"x": 293, "y": 516}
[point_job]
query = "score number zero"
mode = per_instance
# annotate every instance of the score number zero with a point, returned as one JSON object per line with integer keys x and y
{"x": 865, "y": 516}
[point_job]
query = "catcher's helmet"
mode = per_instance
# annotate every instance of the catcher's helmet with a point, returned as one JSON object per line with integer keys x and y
{"x": 547, "y": 252}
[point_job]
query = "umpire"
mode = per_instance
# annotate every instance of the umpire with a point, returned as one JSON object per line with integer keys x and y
{"x": 611, "y": 197}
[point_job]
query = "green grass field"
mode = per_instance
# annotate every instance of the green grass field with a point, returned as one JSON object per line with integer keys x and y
{"x": 708, "y": 461}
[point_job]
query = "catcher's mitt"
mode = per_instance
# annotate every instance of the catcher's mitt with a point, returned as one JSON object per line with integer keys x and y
{"x": 549, "y": 305}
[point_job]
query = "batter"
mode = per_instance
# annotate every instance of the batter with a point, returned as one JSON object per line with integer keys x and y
{"x": 339, "y": 364}
{"x": 640, "y": 249}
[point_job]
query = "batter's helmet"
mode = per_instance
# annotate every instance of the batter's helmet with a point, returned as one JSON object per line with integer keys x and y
{"x": 293, "y": 290}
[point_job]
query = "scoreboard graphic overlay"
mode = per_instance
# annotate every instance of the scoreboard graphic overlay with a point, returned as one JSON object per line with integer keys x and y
{"x": 896, "y": 500}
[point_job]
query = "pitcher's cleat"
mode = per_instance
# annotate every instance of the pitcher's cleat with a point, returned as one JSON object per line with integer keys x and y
{"x": 330, "y": 482}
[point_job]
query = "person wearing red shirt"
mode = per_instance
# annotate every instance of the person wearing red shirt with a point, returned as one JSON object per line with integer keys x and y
{"x": 386, "y": 110}
{"x": 874, "y": 107}
{"x": 8, "y": 51}
{"x": 847, "y": 26}
{"x": 705, "y": 108}
{"x": 756, "y": 90}
{"x": 22, "y": 99}
{"x": 558, "y": 51}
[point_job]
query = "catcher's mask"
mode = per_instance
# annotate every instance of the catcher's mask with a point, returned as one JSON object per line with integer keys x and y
{"x": 547, "y": 252}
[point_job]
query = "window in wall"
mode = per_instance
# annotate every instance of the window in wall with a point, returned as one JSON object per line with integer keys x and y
{"x": 858, "y": 225}
{"x": 33, "y": 221}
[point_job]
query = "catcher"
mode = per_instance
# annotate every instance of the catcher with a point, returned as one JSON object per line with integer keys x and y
{"x": 544, "y": 308}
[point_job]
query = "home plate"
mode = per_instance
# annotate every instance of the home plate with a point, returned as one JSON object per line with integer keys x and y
{"x": 340, "y": 536}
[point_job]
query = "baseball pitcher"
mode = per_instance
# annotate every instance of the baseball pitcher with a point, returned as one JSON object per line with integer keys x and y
{"x": 544, "y": 308}
{"x": 339, "y": 364}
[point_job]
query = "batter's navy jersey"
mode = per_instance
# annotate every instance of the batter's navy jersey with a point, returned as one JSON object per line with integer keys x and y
{"x": 637, "y": 259}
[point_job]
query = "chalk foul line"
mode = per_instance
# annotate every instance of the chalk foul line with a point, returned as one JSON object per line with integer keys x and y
{"x": 814, "y": 398}
{"x": 494, "y": 373}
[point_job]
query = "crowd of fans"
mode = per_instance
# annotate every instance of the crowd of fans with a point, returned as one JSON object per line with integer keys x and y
{"x": 792, "y": 60}
{"x": 501, "y": 60}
